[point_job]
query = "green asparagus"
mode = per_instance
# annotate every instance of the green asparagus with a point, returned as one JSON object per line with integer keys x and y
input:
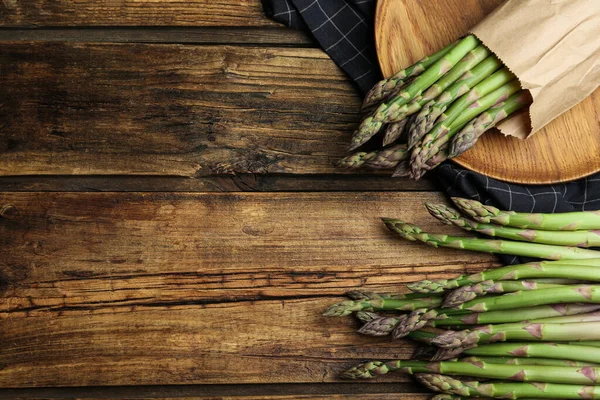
{"x": 385, "y": 87}
{"x": 508, "y": 390}
{"x": 539, "y": 350}
{"x": 413, "y": 232}
{"x": 348, "y": 307}
{"x": 479, "y": 369}
{"x": 528, "y": 361}
{"x": 430, "y": 111}
{"x": 568, "y": 221}
{"x": 371, "y": 125}
{"x": 586, "y": 270}
{"x": 579, "y": 238}
{"x": 528, "y": 331}
{"x": 470, "y": 292}
{"x": 443, "y": 131}
{"x": 469, "y": 135}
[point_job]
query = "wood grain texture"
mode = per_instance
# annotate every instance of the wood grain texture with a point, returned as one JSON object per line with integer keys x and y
{"x": 243, "y": 13}
{"x": 564, "y": 150}
{"x": 276, "y": 36}
{"x": 217, "y": 183}
{"x": 165, "y": 288}
{"x": 138, "y": 109}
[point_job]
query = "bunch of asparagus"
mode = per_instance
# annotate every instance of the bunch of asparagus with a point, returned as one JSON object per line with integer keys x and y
{"x": 527, "y": 331}
{"x": 435, "y": 109}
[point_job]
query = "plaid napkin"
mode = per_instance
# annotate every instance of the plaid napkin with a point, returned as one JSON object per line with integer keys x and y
{"x": 344, "y": 28}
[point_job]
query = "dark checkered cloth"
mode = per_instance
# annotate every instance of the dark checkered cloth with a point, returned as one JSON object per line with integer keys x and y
{"x": 344, "y": 28}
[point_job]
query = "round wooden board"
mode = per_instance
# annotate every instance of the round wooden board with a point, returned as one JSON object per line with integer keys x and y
{"x": 566, "y": 149}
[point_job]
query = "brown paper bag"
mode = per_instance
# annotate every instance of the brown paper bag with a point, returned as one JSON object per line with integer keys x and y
{"x": 553, "y": 47}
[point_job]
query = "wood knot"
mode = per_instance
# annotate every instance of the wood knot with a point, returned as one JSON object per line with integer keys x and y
{"x": 9, "y": 212}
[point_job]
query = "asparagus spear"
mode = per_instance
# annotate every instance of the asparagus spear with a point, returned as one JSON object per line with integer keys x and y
{"x": 381, "y": 326}
{"x": 402, "y": 169}
{"x": 385, "y": 87}
{"x": 489, "y": 85}
{"x": 348, "y": 307}
{"x": 371, "y": 125}
{"x": 444, "y": 396}
{"x": 580, "y": 238}
{"x": 388, "y": 157}
{"x": 528, "y": 331}
{"x": 539, "y": 350}
{"x": 413, "y": 232}
{"x": 570, "y": 221}
{"x": 355, "y": 160}
{"x": 445, "y": 130}
{"x": 379, "y": 159}
{"x": 470, "y": 292}
{"x": 474, "y": 57}
{"x": 366, "y": 295}
{"x": 479, "y": 369}
{"x": 430, "y": 111}
{"x": 586, "y": 270}
{"x": 529, "y": 361}
{"x": 508, "y": 390}
{"x": 469, "y": 135}
{"x": 394, "y": 131}
{"x": 522, "y": 314}
{"x": 367, "y": 316}
{"x": 562, "y": 295}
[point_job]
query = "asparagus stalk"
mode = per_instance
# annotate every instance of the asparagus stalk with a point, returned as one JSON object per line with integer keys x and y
{"x": 355, "y": 160}
{"x": 569, "y": 221}
{"x": 561, "y": 295}
{"x": 402, "y": 169}
{"x": 522, "y": 314}
{"x": 479, "y": 369}
{"x": 586, "y": 270}
{"x": 538, "y": 350}
{"x": 381, "y": 326}
{"x": 371, "y": 125}
{"x": 529, "y": 361}
{"x": 394, "y": 131}
{"x": 348, "y": 307}
{"x": 524, "y": 331}
{"x": 433, "y": 141}
{"x": 413, "y": 232}
{"x": 580, "y": 238}
{"x": 508, "y": 390}
{"x": 386, "y": 158}
{"x": 430, "y": 111}
{"x": 366, "y": 295}
{"x": 474, "y": 57}
{"x": 469, "y": 135}
{"x": 386, "y": 87}
{"x": 489, "y": 85}
{"x": 367, "y": 316}
{"x": 470, "y": 292}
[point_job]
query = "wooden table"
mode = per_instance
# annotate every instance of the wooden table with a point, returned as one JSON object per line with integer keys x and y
{"x": 177, "y": 226}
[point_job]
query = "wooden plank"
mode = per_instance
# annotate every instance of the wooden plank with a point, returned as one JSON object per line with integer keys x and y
{"x": 191, "y": 35}
{"x": 218, "y": 183}
{"x": 345, "y": 390}
{"x": 178, "y": 288}
{"x": 133, "y": 13}
{"x": 140, "y": 109}
{"x": 378, "y": 396}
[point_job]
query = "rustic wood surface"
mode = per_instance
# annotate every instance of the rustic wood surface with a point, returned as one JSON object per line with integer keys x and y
{"x": 179, "y": 225}
{"x": 564, "y": 150}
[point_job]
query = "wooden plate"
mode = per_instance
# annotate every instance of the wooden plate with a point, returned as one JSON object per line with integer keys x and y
{"x": 566, "y": 149}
